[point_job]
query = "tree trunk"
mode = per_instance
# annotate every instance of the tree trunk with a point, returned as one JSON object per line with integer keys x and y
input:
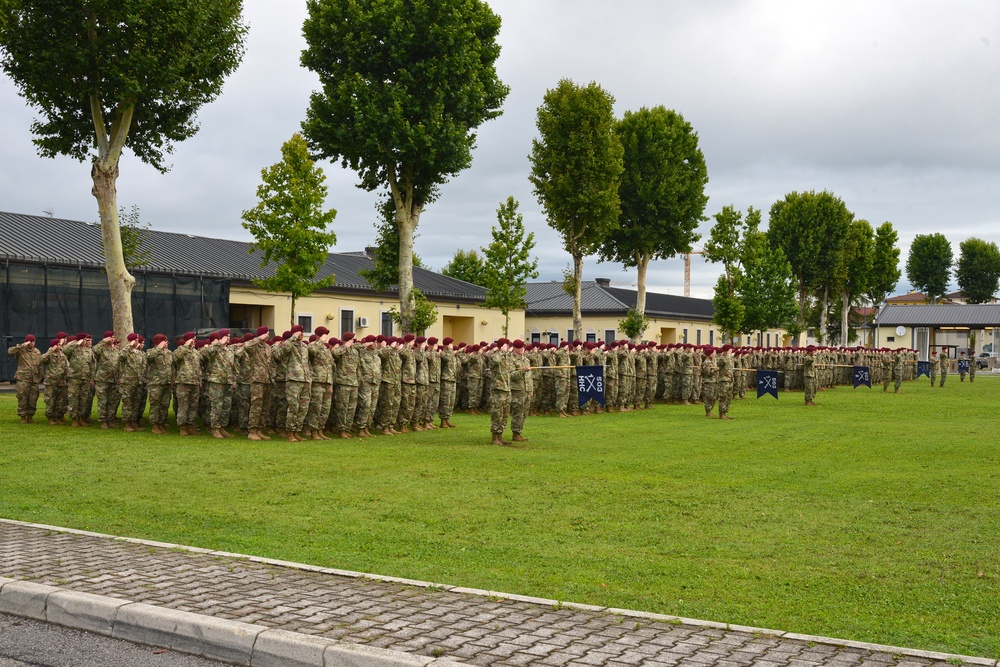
{"x": 823, "y": 319}
{"x": 577, "y": 295}
{"x": 845, "y": 315}
{"x": 292, "y": 316}
{"x": 406, "y": 223}
{"x": 641, "y": 264}
{"x": 803, "y": 296}
{"x": 120, "y": 281}
{"x": 506, "y": 323}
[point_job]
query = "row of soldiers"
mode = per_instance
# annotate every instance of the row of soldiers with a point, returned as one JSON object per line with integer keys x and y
{"x": 312, "y": 388}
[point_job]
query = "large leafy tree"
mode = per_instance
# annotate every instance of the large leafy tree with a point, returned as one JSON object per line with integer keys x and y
{"x": 509, "y": 265}
{"x": 466, "y": 265}
{"x": 928, "y": 266}
{"x": 576, "y": 165}
{"x": 768, "y": 288}
{"x": 725, "y": 246}
{"x": 978, "y": 270}
{"x": 662, "y": 191}
{"x": 289, "y": 223}
{"x": 885, "y": 271}
{"x": 405, "y": 84}
{"x": 109, "y": 74}
{"x": 855, "y": 271}
{"x": 810, "y": 228}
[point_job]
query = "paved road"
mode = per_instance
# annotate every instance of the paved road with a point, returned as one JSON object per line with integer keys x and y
{"x": 475, "y": 628}
{"x": 27, "y": 643}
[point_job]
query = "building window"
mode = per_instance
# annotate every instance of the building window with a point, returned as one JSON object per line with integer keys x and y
{"x": 554, "y": 338}
{"x": 711, "y": 337}
{"x": 386, "y": 325}
{"x": 536, "y": 337}
{"x": 769, "y": 340}
{"x": 685, "y": 336}
{"x": 591, "y": 336}
{"x": 697, "y": 336}
{"x": 306, "y": 322}
{"x": 569, "y": 335}
{"x": 346, "y": 321}
{"x": 890, "y": 339}
{"x": 610, "y": 335}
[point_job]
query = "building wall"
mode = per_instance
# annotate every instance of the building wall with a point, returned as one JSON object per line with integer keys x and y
{"x": 660, "y": 330}
{"x": 337, "y": 312}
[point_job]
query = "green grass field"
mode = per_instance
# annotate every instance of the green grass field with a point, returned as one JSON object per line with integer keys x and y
{"x": 872, "y": 517}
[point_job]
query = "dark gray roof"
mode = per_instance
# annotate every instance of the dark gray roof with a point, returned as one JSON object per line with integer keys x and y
{"x": 56, "y": 241}
{"x": 550, "y": 299}
{"x": 974, "y": 316}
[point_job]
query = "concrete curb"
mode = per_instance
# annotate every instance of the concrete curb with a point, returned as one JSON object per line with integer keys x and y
{"x": 206, "y": 636}
{"x": 280, "y": 647}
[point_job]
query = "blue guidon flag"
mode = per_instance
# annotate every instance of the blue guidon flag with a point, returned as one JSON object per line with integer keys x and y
{"x": 590, "y": 384}
{"x": 862, "y": 376}
{"x": 963, "y": 365}
{"x": 923, "y": 368}
{"x": 767, "y": 383}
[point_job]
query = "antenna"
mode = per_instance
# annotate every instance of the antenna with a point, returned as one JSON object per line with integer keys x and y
{"x": 49, "y": 212}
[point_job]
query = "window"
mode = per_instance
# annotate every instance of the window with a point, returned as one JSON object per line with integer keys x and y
{"x": 306, "y": 322}
{"x": 346, "y": 321}
{"x": 386, "y": 325}
{"x": 569, "y": 335}
{"x": 591, "y": 336}
{"x": 711, "y": 337}
{"x": 536, "y": 337}
{"x": 769, "y": 340}
{"x": 553, "y": 338}
{"x": 890, "y": 339}
{"x": 610, "y": 335}
{"x": 697, "y": 336}
{"x": 685, "y": 336}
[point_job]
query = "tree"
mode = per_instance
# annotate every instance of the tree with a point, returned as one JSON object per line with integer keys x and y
{"x": 466, "y": 265}
{"x": 508, "y": 264}
{"x": 134, "y": 233}
{"x": 725, "y": 246}
{"x": 855, "y": 271}
{"x": 424, "y": 312}
{"x": 404, "y": 87}
{"x": 576, "y": 165}
{"x": 810, "y": 229}
{"x": 928, "y": 267}
{"x": 662, "y": 191}
{"x": 634, "y": 324}
{"x": 384, "y": 274}
{"x": 289, "y": 223}
{"x": 768, "y": 288}
{"x": 978, "y": 270}
{"x": 106, "y": 75}
{"x": 885, "y": 266}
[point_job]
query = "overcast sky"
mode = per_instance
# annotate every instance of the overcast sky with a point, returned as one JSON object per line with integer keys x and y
{"x": 891, "y": 105}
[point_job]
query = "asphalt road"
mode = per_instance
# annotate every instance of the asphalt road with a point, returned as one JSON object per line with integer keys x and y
{"x": 28, "y": 643}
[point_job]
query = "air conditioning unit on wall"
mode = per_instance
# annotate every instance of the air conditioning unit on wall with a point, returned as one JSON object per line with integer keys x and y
{"x": 362, "y": 322}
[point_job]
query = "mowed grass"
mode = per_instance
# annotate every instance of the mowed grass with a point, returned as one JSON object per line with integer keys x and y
{"x": 872, "y": 517}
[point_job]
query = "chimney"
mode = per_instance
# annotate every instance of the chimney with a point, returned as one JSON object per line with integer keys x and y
{"x": 370, "y": 251}
{"x": 603, "y": 282}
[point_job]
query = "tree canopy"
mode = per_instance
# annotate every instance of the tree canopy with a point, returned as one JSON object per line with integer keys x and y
{"x": 978, "y": 270}
{"x": 404, "y": 85}
{"x": 509, "y": 264}
{"x": 576, "y": 165}
{"x": 662, "y": 191}
{"x": 104, "y": 74}
{"x": 466, "y": 265}
{"x": 289, "y": 224}
{"x": 928, "y": 266}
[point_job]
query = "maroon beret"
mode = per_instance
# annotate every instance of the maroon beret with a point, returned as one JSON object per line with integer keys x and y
{"x": 30, "y": 338}
{"x": 348, "y": 335}
{"x": 62, "y": 334}
{"x": 381, "y": 339}
{"x": 188, "y": 335}
{"x": 132, "y": 337}
{"x": 322, "y": 331}
{"x": 263, "y": 330}
{"x": 54, "y": 342}
{"x": 408, "y": 338}
{"x": 448, "y": 340}
{"x": 287, "y": 335}
{"x": 432, "y": 341}
{"x": 297, "y": 328}
{"x": 107, "y": 334}
{"x": 158, "y": 338}
{"x": 518, "y": 344}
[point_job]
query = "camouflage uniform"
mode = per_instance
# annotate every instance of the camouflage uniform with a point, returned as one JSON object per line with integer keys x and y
{"x": 473, "y": 366}
{"x": 81, "y": 377}
{"x": 408, "y": 386}
{"x": 56, "y": 371}
{"x": 724, "y": 387}
{"x": 709, "y": 381}
{"x": 943, "y": 358}
{"x": 279, "y": 402}
{"x": 345, "y": 380}
{"x": 131, "y": 373}
{"x": 106, "y": 381}
{"x": 389, "y": 389}
{"x": 321, "y": 391}
{"x": 239, "y": 417}
{"x": 159, "y": 362}
{"x": 500, "y": 367}
{"x": 520, "y": 392}
{"x": 610, "y": 379}
{"x": 449, "y": 377}
{"x": 639, "y": 395}
{"x": 686, "y": 368}
{"x": 369, "y": 381}
{"x": 422, "y": 376}
{"x": 27, "y": 376}
{"x": 220, "y": 376}
{"x": 258, "y": 361}
{"x": 433, "y": 385}
{"x": 294, "y": 353}
{"x": 561, "y": 379}
{"x": 809, "y": 376}
{"x": 187, "y": 375}
{"x": 899, "y": 361}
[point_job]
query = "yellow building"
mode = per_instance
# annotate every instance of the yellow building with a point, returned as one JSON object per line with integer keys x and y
{"x": 672, "y": 319}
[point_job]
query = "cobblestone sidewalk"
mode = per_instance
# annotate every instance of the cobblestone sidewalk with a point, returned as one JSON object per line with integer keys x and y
{"x": 473, "y": 627}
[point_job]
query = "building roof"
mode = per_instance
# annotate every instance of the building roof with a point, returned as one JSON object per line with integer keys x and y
{"x": 919, "y": 298}
{"x": 550, "y": 299}
{"x": 978, "y": 316}
{"x": 55, "y": 241}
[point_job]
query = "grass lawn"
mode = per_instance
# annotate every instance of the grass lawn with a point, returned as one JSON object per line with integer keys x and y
{"x": 872, "y": 517}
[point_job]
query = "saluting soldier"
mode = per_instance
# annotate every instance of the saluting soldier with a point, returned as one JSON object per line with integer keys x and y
{"x": 449, "y": 382}
{"x": 56, "y": 371}
{"x": 389, "y": 387}
{"x": 345, "y": 380}
{"x": 159, "y": 361}
{"x": 294, "y": 355}
{"x": 131, "y": 375}
{"x": 221, "y": 377}
{"x": 27, "y": 376}
{"x": 187, "y": 376}
{"x": 106, "y": 380}
{"x": 520, "y": 394}
{"x": 725, "y": 367}
{"x": 500, "y": 368}
{"x": 369, "y": 380}
{"x": 81, "y": 377}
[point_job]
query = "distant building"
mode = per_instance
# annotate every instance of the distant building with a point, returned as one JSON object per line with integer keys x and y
{"x": 955, "y": 326}
{"x": 672, "y": 319}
